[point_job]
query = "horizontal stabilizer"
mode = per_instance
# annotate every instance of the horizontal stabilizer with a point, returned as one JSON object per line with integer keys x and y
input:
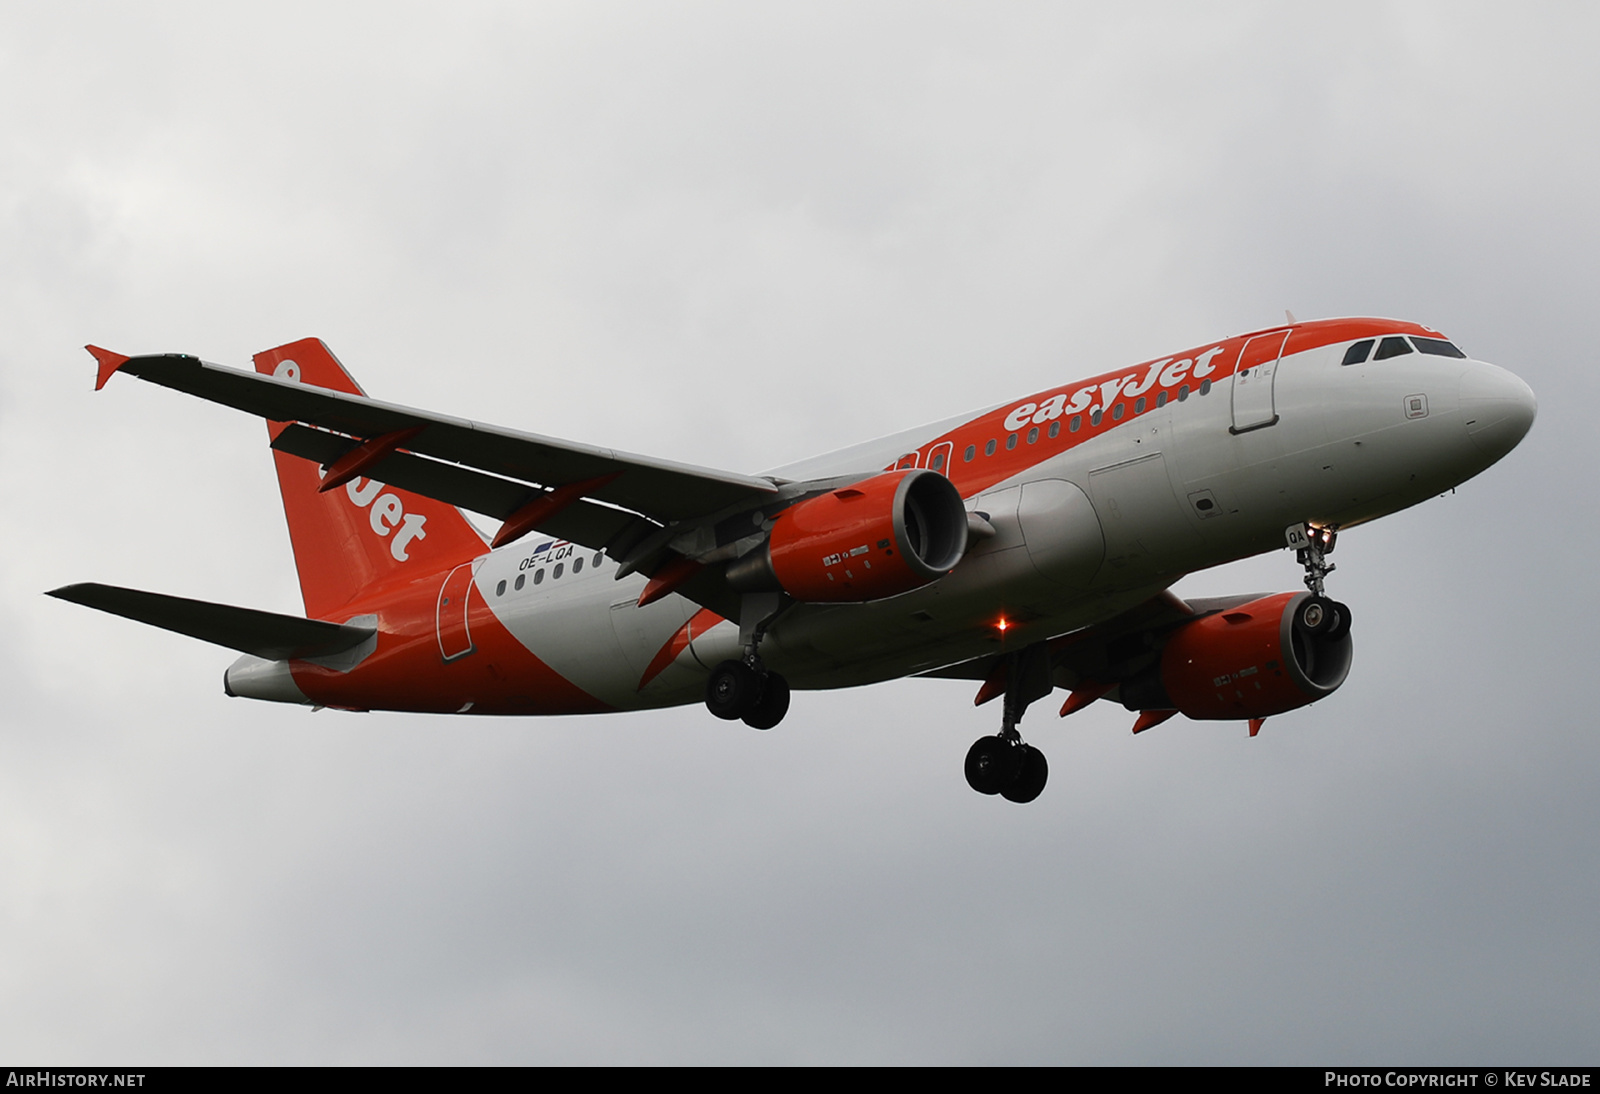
{"x": 264, "y": 634}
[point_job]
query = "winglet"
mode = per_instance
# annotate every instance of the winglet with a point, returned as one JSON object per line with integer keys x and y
{"x": 109, "y": 363}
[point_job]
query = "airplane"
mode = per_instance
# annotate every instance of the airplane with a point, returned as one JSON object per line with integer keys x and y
{"x": 1026, "y": 547}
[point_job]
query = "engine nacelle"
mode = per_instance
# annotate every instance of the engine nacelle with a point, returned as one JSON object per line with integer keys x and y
{"x": 1253, "y": 661}
{"x": 880, "y": 537}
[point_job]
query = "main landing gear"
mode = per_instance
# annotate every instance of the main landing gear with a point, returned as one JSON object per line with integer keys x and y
{"x": 741, "y": 690}
{"x": 1318, "y": 615}
{"x": 747, "y": 689}
{"x": 1005, "y": 764}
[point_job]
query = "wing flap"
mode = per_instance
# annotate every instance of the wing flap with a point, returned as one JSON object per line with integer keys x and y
{"x": 582, "y": 522}
{"x": 264, "y": 634}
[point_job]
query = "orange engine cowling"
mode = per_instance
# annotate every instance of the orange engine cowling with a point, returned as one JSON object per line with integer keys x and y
{"x": 1252, "y": 661}
{"x": 885, "y": 535}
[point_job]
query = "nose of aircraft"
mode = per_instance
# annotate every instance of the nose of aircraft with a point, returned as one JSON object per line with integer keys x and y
{"x": 1497, "y": 408}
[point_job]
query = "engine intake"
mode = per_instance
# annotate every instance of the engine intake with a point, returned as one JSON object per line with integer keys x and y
{"x": 872, "y": 539}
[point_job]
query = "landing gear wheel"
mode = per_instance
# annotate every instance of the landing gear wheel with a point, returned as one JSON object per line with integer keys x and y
{"x": 733, "y": 690}
{"x": 1341, "y": 623}
{"x": 773, "y": 704}
{"x": 1030, "y": 781}
{"x": 1317, "y": 615}
{"x": 992, "y": 764}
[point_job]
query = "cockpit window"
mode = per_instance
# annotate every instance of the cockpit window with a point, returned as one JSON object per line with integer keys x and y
{"x": 1437, "y": 346}
{"x": 1358, "y": 352}
{"x": 1391, "y": 347}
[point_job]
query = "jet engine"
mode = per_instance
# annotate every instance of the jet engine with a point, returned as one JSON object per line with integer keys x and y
{"x": 872, "y": 539}
{"x": 1258, "y": 659}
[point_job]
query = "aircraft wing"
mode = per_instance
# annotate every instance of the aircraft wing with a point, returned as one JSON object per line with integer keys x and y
{"x": 660, "y": 490}
{"x": 265, "y": 634}
{"x": 1106, "y": 652}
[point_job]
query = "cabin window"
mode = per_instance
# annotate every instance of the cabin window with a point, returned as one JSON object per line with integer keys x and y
{"x": 1138, "y": 407}
{"x": 577, "y": 565}
{"x": 1033, "y": 434}
{"x": 500, "y": 589}
{"x": 559, "y": 567}
{"x": 1205, "y": 387}
{"x": 1183, "y": 393}
{"x": 938, "y": 462}
{"x": 538, "y": 575}
{"x": 1094, "y": 419}
{"x": 1358, "y": 352}
{"x": 972, "y": 450}
{"x": 598, "y": 555}
{"x": 1077, "y": 423}
{"x": 988, "y": 449}
{"x": 1055, "y": 428}
{"x": 1116, "y": 413}
{"x": 1161, "y": 399}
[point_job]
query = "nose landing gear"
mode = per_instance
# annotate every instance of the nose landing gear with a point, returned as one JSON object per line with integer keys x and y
{"x": 1319, "y": 615}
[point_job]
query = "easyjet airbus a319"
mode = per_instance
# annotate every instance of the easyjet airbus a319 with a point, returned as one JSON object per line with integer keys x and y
{"x": 1026, "y": 547}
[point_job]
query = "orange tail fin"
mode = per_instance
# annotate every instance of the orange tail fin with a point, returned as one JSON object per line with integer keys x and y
{"x": 364, "y": 534}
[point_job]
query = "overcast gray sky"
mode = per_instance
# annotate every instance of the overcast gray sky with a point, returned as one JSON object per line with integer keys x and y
{"x": 739, "y": 235}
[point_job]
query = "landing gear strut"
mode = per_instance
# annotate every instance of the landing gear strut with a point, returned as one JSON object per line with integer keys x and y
{"x": 747, "y": 689}
{"x": 1005, "y": 764}
{"x": 1318, "y": 615}
{"x": 1312, "y": 546}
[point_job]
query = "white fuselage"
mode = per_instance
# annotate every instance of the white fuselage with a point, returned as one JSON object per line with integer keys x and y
{"x": 1081, "y": 534}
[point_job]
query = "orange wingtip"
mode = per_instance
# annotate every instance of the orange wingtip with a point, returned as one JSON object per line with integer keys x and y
{"x": 109, "y": 363}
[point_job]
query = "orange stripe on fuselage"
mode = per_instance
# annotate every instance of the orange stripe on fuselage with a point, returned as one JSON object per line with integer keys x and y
{"x": 1215, "y": 361}
{"x": 407, "y": 671}
{"x": 702, "y": 621}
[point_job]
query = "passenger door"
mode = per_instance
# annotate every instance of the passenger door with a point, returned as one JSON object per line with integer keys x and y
{"x": 1253, "y": 381}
